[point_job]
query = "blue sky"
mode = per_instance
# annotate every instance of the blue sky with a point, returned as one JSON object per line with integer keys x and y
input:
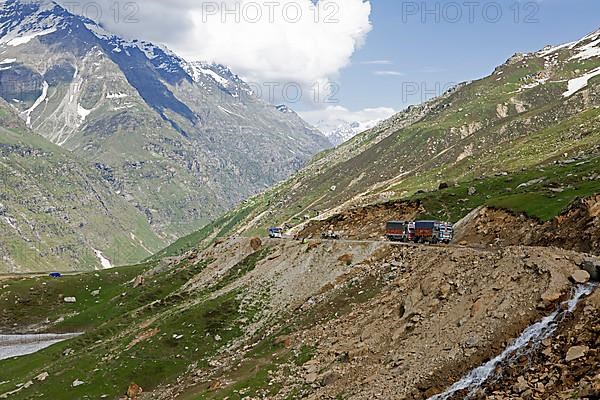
{"x": 433, "y": 54}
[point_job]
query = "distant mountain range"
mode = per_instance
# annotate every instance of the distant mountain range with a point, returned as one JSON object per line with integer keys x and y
{"x": 180, "y": 142}
{"x": 339, "y": 131}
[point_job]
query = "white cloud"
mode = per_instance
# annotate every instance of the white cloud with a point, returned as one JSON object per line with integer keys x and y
{"x": 275, "y": 47}
{"x": 389, "y": 73}
{"x": 377, "y": 62}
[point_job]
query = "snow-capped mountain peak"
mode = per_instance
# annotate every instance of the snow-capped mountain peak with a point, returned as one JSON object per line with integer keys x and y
{"x": 340, "y": 131}
{"x": 20, "y": 22}
{"x": 204, "y": 73}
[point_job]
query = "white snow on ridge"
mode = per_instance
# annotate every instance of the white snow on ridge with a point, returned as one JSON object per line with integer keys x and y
{"x": 105, "y": 262}
{"x": 588, "y": 51}
{"x": 82, "y": 112}
{"x": 27, "y": 38}
{"x": 577, "y": 84}
{"x": 554, "y": 49}
{"x": 116, "y": 95}
{"x": 218, "y": 78}
{"x": 8, "y": 61}
{"x": 199, "y": 69}
{"x": 40, "y": 100}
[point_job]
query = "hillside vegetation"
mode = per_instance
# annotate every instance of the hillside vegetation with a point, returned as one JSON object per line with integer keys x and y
{"x": 57, "y": 212}
{"x": 279, "y": 320}
{"x": 519, "y": 137}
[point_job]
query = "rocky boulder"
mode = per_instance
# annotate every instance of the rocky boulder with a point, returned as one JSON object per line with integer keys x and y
{"x": 580, "y": 276}
{"x": 133, "y": 391}
{"x": 256, "y": 244}
{"x": 576, "y": 352}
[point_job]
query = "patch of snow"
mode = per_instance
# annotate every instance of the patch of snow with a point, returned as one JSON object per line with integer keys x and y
{"x": 116, "y": 95}
{"x": 125, "y": 107}
{"x": 532, "y": 85}
{"x": 10, "y": 223}
{"x": 27, "y": 38}
{"x": 27, "y": 113}
{"x": 82, "y": 112}
{"x": 588, "y": 51}
{"x": 8, "y": 61}
{"x": 577, "y": 84}
{"x": 554, "y": 49}
{"x": 199, "y": 69}
{"x": 105, "y": 262}
{"x": 231, "y": 112}
{"x": 5, "y": 68}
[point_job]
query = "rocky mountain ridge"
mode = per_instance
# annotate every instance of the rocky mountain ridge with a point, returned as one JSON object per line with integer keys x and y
{"x": 179, "y": 141}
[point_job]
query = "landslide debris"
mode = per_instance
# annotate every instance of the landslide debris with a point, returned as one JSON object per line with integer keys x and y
{"x": 388, "y": 322}
{"x": 566, "y": 366}
{"x": 366, "y": 222}
{"x": 578, "y": 228}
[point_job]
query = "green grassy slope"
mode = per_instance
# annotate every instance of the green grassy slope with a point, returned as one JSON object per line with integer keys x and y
{"x": 543, "y": 192}
{"x": 512, "y": 123}
{"x": 149, "y": 335}
{"x": 56, "y": 210}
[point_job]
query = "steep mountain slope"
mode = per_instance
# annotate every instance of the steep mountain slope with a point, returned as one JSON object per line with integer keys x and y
{"x": 533, "y": 111}
{"x": 57, "y": 212}
{"x": 282, "y": 320}
{"x": 181, "y": 141}
{"x": 245, "y": 318}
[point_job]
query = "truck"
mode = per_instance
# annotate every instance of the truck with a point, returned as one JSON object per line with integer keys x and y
{"x": 276, "y": 233}
{"x": 433, "y": 232}
{"x": 446, "y": 232}
{"x": 397, "y": 231}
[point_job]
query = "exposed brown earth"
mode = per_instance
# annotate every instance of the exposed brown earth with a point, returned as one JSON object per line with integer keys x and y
{"x": 436, "y": 314}
{"x": 383, "y": 321}
{"x": 364, "y": 222}
{"x": 578, "y": 228}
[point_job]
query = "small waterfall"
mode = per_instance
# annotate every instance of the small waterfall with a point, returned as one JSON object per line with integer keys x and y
{"x": 534, "y": 334}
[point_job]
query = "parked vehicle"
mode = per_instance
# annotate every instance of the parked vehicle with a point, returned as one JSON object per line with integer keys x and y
{"x": 427, "y": 232}
{"x": 446, "y": 232}
{"x": 397, "y": 231}
{"x": 276, "y": 233}
{"x": 55, "y": 275}
{"x": 433, "y": 232}
{"x": 330, "y": 235}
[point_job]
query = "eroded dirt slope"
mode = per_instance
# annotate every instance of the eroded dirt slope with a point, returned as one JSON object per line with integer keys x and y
{"x": 366, "y": 222}
{"x": 578, "y": 228}
{"x": 379, "y": 321}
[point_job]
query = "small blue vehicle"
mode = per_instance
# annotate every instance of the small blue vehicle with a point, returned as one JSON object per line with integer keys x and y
{"x": 276, "y": 233}
{"x": 55, "y": 275}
